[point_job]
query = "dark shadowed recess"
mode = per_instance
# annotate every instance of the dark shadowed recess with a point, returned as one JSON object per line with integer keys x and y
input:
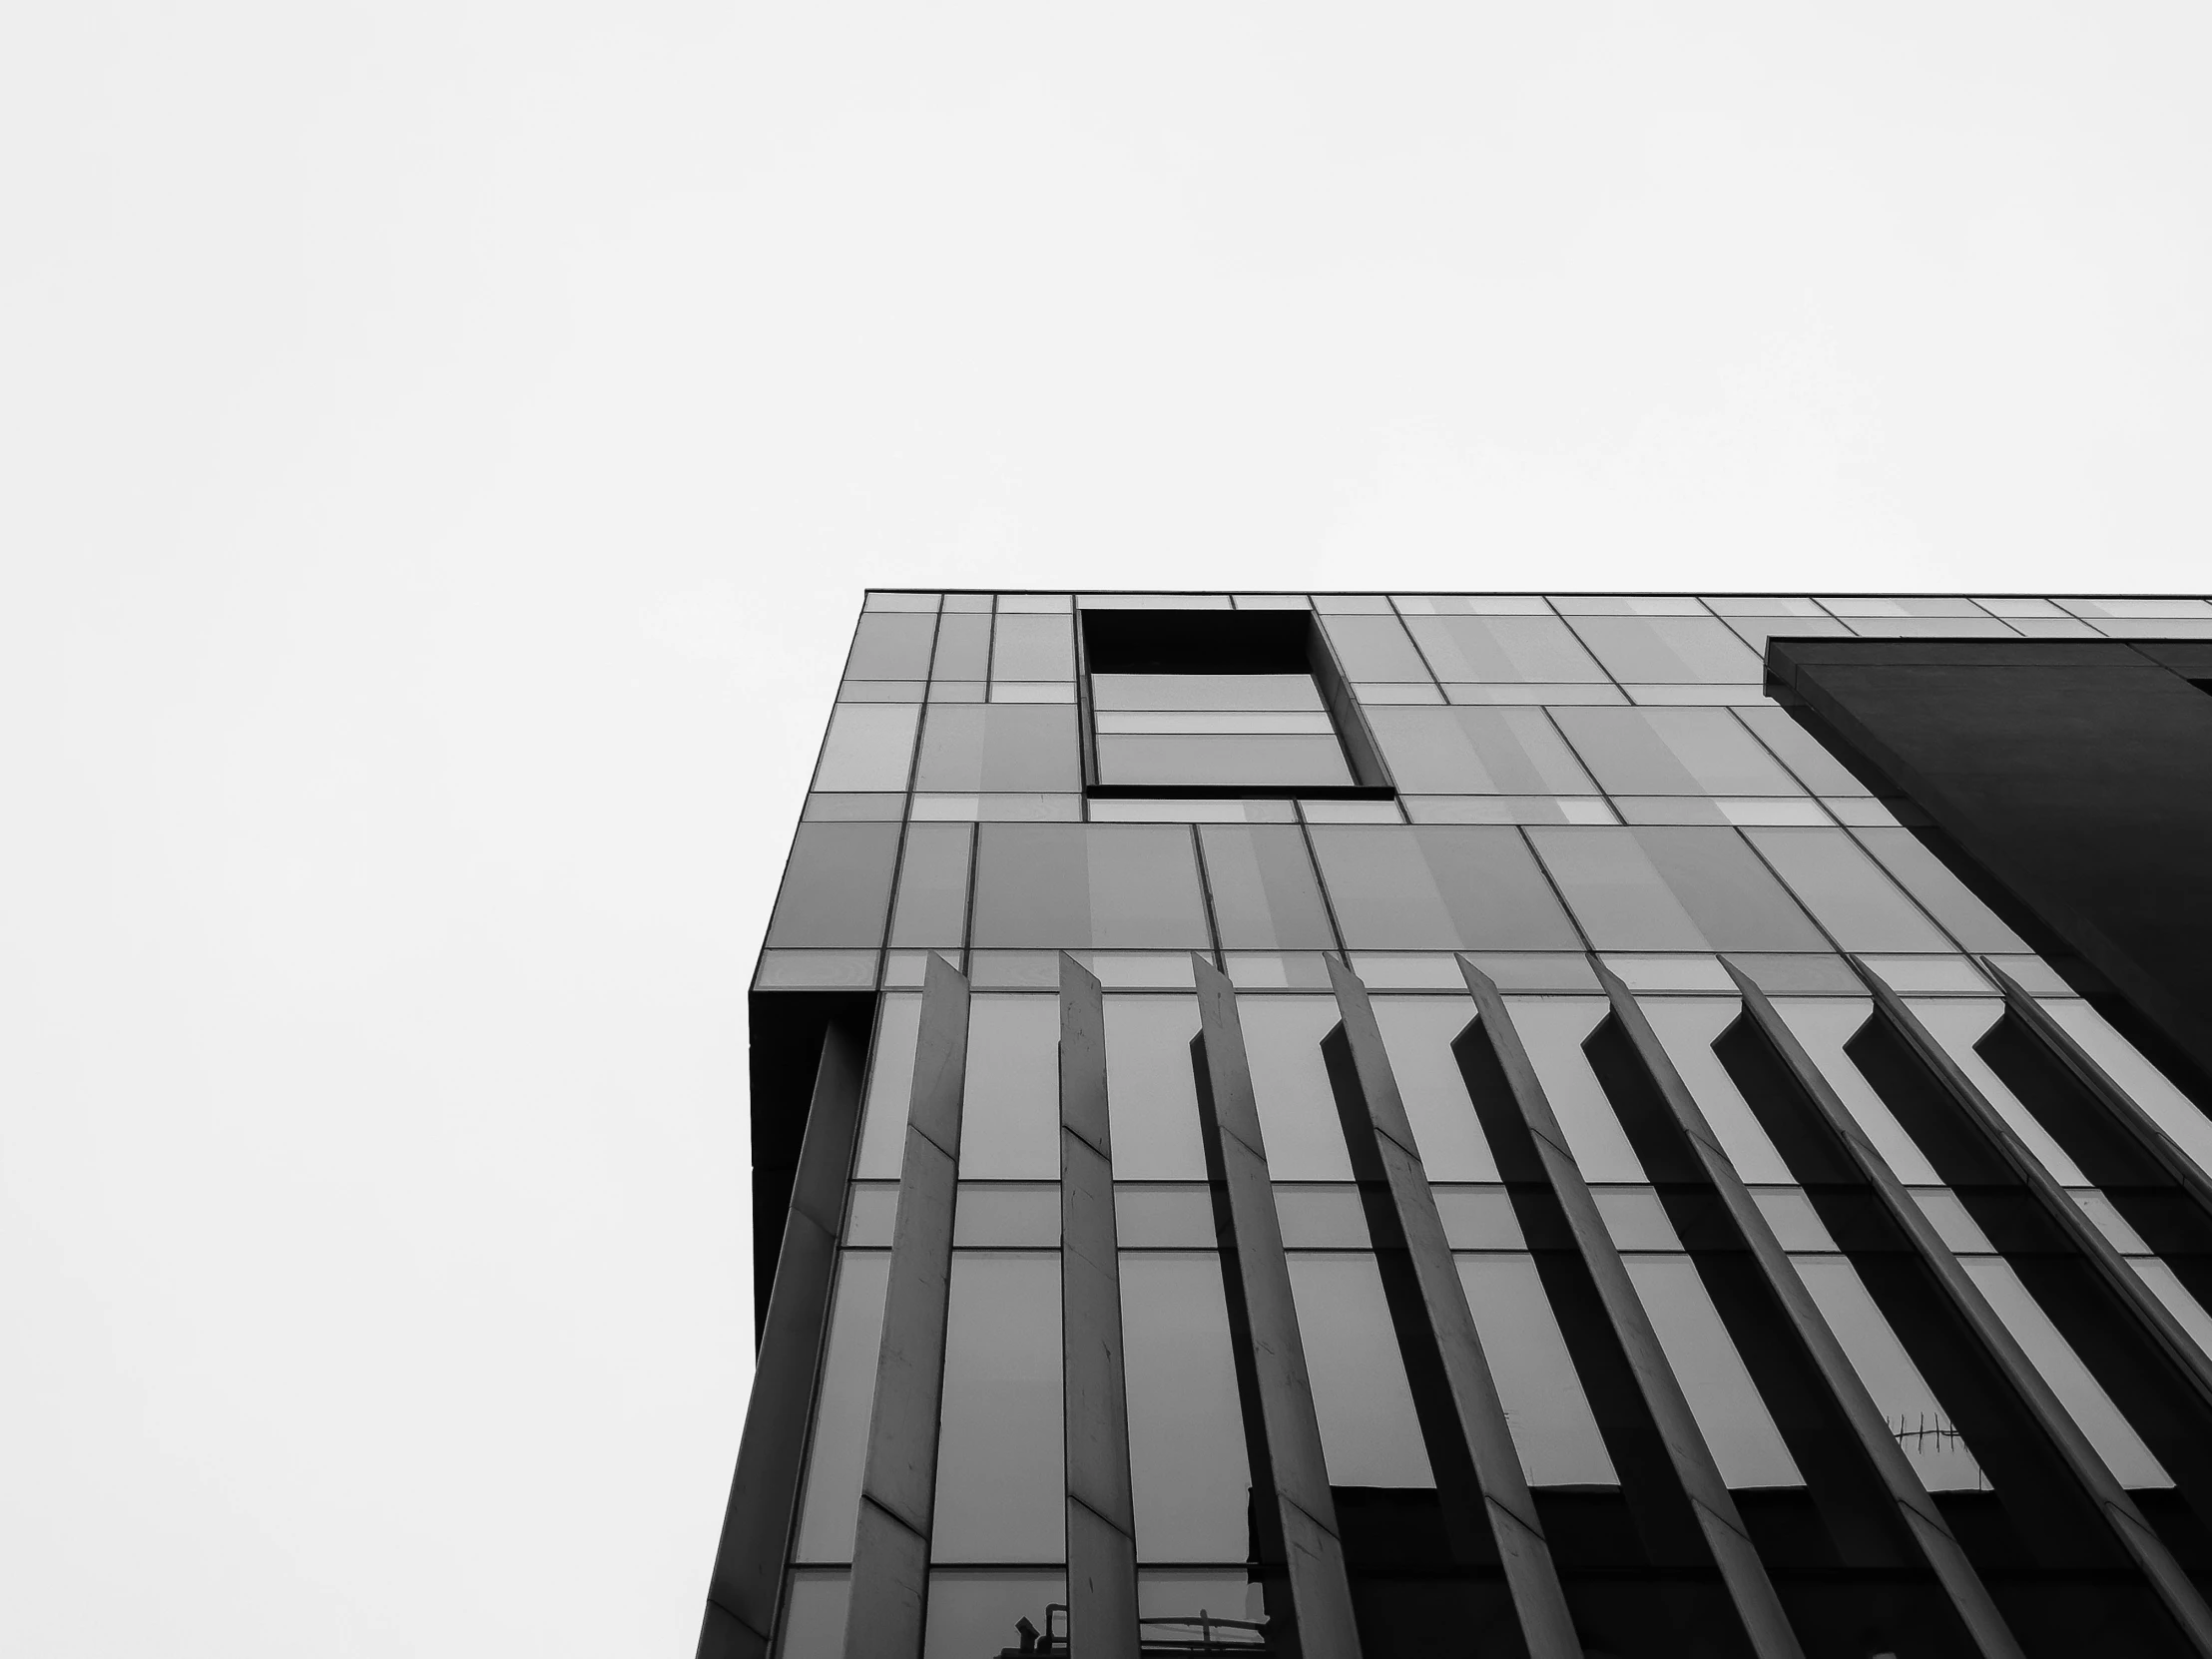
{"x": 1226, "y": 641}
{"x": 2068, "y": 783}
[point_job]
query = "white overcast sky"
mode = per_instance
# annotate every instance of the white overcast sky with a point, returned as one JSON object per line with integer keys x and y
{"x": 441, "y": 447}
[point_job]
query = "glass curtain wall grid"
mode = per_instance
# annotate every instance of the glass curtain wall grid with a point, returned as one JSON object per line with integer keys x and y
{"x": 1403, "y": 1123}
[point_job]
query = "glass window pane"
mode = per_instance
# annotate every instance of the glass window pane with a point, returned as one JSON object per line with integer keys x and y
{"x": 1374, "y": 648}
{"x": 1280, "y": 692}
{"x": 1734, "y": 899}
{"x": 1417, "y": 1034}
{"x": 1552, "y": 1029}
{"x": 963, "y": 647}
{"x": 870, "y": 745}
{"x": 1672, "y": 649}
{"x": 1613, "y": 891}
{"x": 999, "y": 747}
{"x": 932, "y": 913}
{"x": 1075, "y": 885}
{"x": 891, "y": 1087}
{"x": 1800, "y": 751}
{"x": 1735, "y": 1420}
{"x": 1298, "y": 1111}
{"x": 1034, "y": 648}
{"x": 1439, "y": 888}
{"x": 1151, "y": 1090}
{"x": 977, "y": 1615}
{"x": 1266, "y": 895}
{"x": 813, "y": 1616}
{"x": 1469, "y": 751}
{"x": 1845, "y": 891}
{"x": 1011, "y": 1112}
{"x": 1001, "y": 1495}
{"x": 1824, "y": 1027}
{"x": 1524, "y": 648}
{"x": 1164, "y": 1217}
{"x": 1907, "y": 1403}
{"x": 2145, "y": 1084}
{"x": 1927, "y": 878}
{"x": 831, "y": 1507}
{"x": 1686, "y": 1028}
{"x": 2078, "y": 1392}
{"x": 1673, "y": 752}
{"x": 1546, "y": 1410}
{"x": 836, "y": 887}
{"x": 1263, "y": 759}
{"x": 891, "y": 645}
{"x": 1369, "y": 1434}
{"x": 1187, "y": 1464}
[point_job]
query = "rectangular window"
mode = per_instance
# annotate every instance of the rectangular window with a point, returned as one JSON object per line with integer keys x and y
{"x": 1513, "y": 649}
{"x": 1546, "y": 1411}
{"x": 892, "y": 645}
{"x": 1669, "y": 649}
{"x": 1418, "y": 1034}
{"x": 1187, "y": 1467}
{"x": 1151, "y": 1090}
{"x": 1007, "y": 748}
{"x": 1369, "y": 1433}
{"x": 1735, "y": 1420}
{"x": 1220, "y": 702}
{"x": 932, "y": 913}
{"x": 1010, "y": 1111}
{"x": 1266, "y": 894}
{"x": 963, "y": 647}
{"x": 1439, "y": 888}
{"x": 836, "y": 887}
{"x": 1673, "y": 752}
{"x": 870, "y": 745}
{"x": 832, "y": 1506}
{"x": 1850, "y": 894}
{"x": 1472, "y": 751}
{"x": 1076, "y": 886}
{"x": 1298, "y": 1112}
{"x": 1001, "y": 1492}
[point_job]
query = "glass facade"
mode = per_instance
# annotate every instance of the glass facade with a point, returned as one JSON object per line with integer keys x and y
{"x": 1512, "y": 1065}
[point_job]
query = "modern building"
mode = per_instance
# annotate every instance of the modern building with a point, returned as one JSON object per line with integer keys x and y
{"x": 1489, "y": 1124}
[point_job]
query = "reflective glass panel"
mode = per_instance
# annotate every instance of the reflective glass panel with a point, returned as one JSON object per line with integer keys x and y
{"x": 1613, "y": 891}
{"x": 1255, "y": 692}
{"x": 1845, "y": 891}
{"x": 1546, "y": 1410}
{"x": 832, "y": 1506}
{"x": 1800, "y": 751}
{"x": 1010, "y": 746}
{"x": 890, "y": 1084}
{"x": 1260, "y": 760}
{"x": 931, "y": 912}
{"x": 1735, "y": 1420}
{"x": 1687, "y": 1027}
{"x": 1673, "y": 752}
{"x": 1187, "y": 1464}
{"x": 1552, "y": 1029}
{"x": 1011, "y": 1113}
{"x": 1733, "y": 898}
{"x": 1374, "y": 648}
{"x": 813, "y": 1616}
{"x": 1369, "y": 1434}
{"x": 1439, "y": 888}
{"x": 963, "y": 647}
{"x": 1417, "y": 1034}
{"x": 1908, "y": 1406}
{"x": 1298, "y": 1112}
{"x": 1973, "y": 924}
{"x": 1266, "y": 895}
{"x": 1475, "y": 751}
{"x": 2082, "y": 1395}
{"x": 1164, "y": 1217}
{"x": 1151, "y": 1091}
{"x": 1071, "y": 886}
{"x": 977, "y": 1615}
{"x": 1667, "y": 648}
{"x": 1000, "y": 1491}
{"x": 1504, "y": 649}
{"x": 1824, "y": 1027}
{"x": 1034, "y": 648}
{"x": 891, "y": 645}
{"x": 837, "y": 886}
{"x": 870, "y": 745}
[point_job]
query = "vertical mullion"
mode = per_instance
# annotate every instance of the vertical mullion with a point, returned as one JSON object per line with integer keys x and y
{"x": 2060, "y": 1432}
{"x": 1101, "y": 1511}
{"x": 1301, "y": 1549}
{"x": 1442, "y": 1342}
{"x": 898, "y": 1482}
{"x": 1924, "y": 1521}
{"x": 747, "y": 1584}
{"x": 1752, "y": 1594}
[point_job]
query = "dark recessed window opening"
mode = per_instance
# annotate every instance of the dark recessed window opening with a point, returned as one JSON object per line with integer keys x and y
{"x": 1220, "y": 703}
